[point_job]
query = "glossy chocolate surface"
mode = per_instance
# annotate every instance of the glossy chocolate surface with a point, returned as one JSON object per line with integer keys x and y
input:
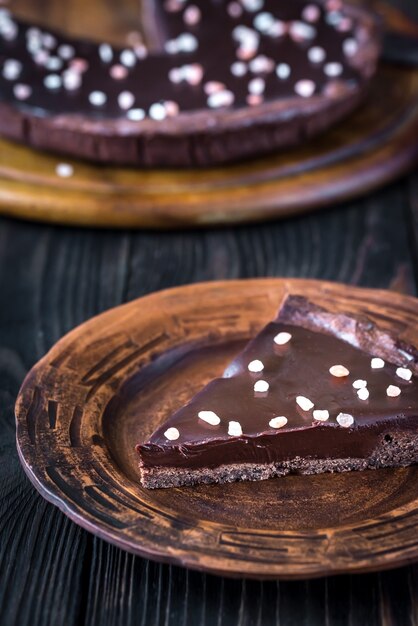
{"x": 298, "y": 368}
{"x": 146, "y": 78}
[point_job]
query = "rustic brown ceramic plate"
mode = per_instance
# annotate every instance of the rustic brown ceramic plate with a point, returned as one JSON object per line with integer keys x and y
{"x": 110, "y": 382}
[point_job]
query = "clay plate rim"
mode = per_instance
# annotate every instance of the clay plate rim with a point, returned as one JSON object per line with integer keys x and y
{"x": 333, "y": 557}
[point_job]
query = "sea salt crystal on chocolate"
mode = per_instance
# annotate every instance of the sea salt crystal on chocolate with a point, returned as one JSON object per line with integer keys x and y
{"x": 53, "y": 81}
{"x": 377, "y": 363}
{"x": 187, "y": 42}
{"x": 97, "y": 98}
{"x": 345, "y": 420}
{"x": 126, "y": 99}
{"x": 305, "y": 88}
{"x": 261, "y": 386}
{"x": 283, "y": 71}
{"x": 54, "y": 64}
{"x": 213, "y": 86}
{"x": 64, "y": 170}
{"x": 339, "y": 371}
{"x": 359, "y": 383}
{"x": 264, "y": 21}
{"x": 393, "y": 391}
{"x": 171, "y": 108}
{"x": 22, "y": 92}
{"x": 118, "y": 72}
{"x": 304, "y": 403}
{"x": 209, "y": 417}
{"x": 256, "y": 86}
{"x": 12, "y": 69}
{"x": 316, "y": 54}
{"x": 333, "y": 69}
{"x": 48, "y": 41}
{"x": 277, "y": 29}
{"x": 157, "y": 111}
{"x": 136, "y": 115}
{"x": 255, "y": 366}
{"x": 350, "y": 47}
{"x": 404, "y": 372}
{"x": 65, "y": 51}
{"x": 252, "y": 5}
{"x": 234, "y": 10}
{"x": 234, "y": 429}
{"x": 300, "y": 31}
{"x": 172, "y": 434}
{"x": 282, "y": 338}
{"x": 363, "y": 393}
{"x": 322, "y": 415}
{"x": 278, "y": 422}
{"x": 128, "y": 58}
{"x": 238, "y": 69}
{"x": 254, "y": 99}
{"x": 192, "y": 15}
{"x": 261, "y": 64}
{"x": 105, "y": 52}
{"x": 311, "y": 13}
{"x": 220, "y": 99}
{"x": 71, "y": 80}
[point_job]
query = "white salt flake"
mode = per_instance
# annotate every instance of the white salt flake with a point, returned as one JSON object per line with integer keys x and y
{"x": 220, "y": 99}
{"x": 278, "y": 422}
{"x": 305, "y": 88}
{"x": 52, "y": 81}
{"x": 172, "y": 434}
{"x": 136, "y": 115}
{"x": 283, "y": 71}
{"x": 157, "y": 111}
{"x": 304, "y": 403}
{"x": 359, "y": 383}
{"x": 377, "y": 363}
{"x": 393, "y": 391}
{"x": 126, "y": 99}
{"x": 234, "y": 429}
{"x": 339, "y": 371}
{"x": 256, "y": 86}
{"x": 404, "y": 372}
{"x": 12, "y": 69}
{"x": 255, "y": 366}
{"x": 105, "y": 52}
{"x": 238, "y": 69}
{"x": 321, "y": 415}
{"x": 333, "y": 69}
{"x": 128, "y": 58}
{"x": 345, "y": 420}
{"x": 282, "y": 338}
{"x": 316, "y": 54}
{"x": 97, "y": 98}
{"x": 210, "y": 417}
{"x": 261, "y": 386}
{"x": 64, "y": 170}
{"x": 363, "y": 393}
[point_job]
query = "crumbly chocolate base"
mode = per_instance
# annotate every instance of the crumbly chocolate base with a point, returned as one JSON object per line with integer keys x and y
{"x": 394, "y": 450}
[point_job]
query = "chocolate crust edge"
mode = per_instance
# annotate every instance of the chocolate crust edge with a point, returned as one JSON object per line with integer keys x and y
{"x": 396, "y": 449}
{"x": 236, "y": 136}
{"x": 357, "y": 330}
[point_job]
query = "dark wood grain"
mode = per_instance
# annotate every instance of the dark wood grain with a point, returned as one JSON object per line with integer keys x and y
{"x": 53, "y": 279}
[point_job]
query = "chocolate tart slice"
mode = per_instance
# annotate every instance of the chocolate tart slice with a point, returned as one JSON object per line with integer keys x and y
{"x": 223, "y": 81}
{"x": 314, "y": 392}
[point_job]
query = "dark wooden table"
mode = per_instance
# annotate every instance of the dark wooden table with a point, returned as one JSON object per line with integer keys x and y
{"x": 51, "y": 279}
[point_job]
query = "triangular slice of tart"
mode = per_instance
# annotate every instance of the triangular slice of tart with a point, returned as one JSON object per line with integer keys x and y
{"x": 313, "y": 392}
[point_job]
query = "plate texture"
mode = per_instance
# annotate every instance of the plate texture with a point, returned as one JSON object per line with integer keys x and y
{"x": 111, "y": 381}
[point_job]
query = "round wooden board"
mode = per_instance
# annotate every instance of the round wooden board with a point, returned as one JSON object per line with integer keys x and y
{"x": 372, "y": 147}
{"x": 110, "y": 382}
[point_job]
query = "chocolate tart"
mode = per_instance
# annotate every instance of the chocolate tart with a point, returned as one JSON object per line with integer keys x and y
{"x": 313, "y": 392}
{"x": 227, "y": 81}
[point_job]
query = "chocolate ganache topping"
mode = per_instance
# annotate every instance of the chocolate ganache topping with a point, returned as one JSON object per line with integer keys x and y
{"x": 297, "y": 390}
{"x": 215, "y": 55}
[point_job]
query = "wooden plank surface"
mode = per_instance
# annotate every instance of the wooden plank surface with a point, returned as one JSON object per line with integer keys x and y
{"x": 52, "y": 279}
